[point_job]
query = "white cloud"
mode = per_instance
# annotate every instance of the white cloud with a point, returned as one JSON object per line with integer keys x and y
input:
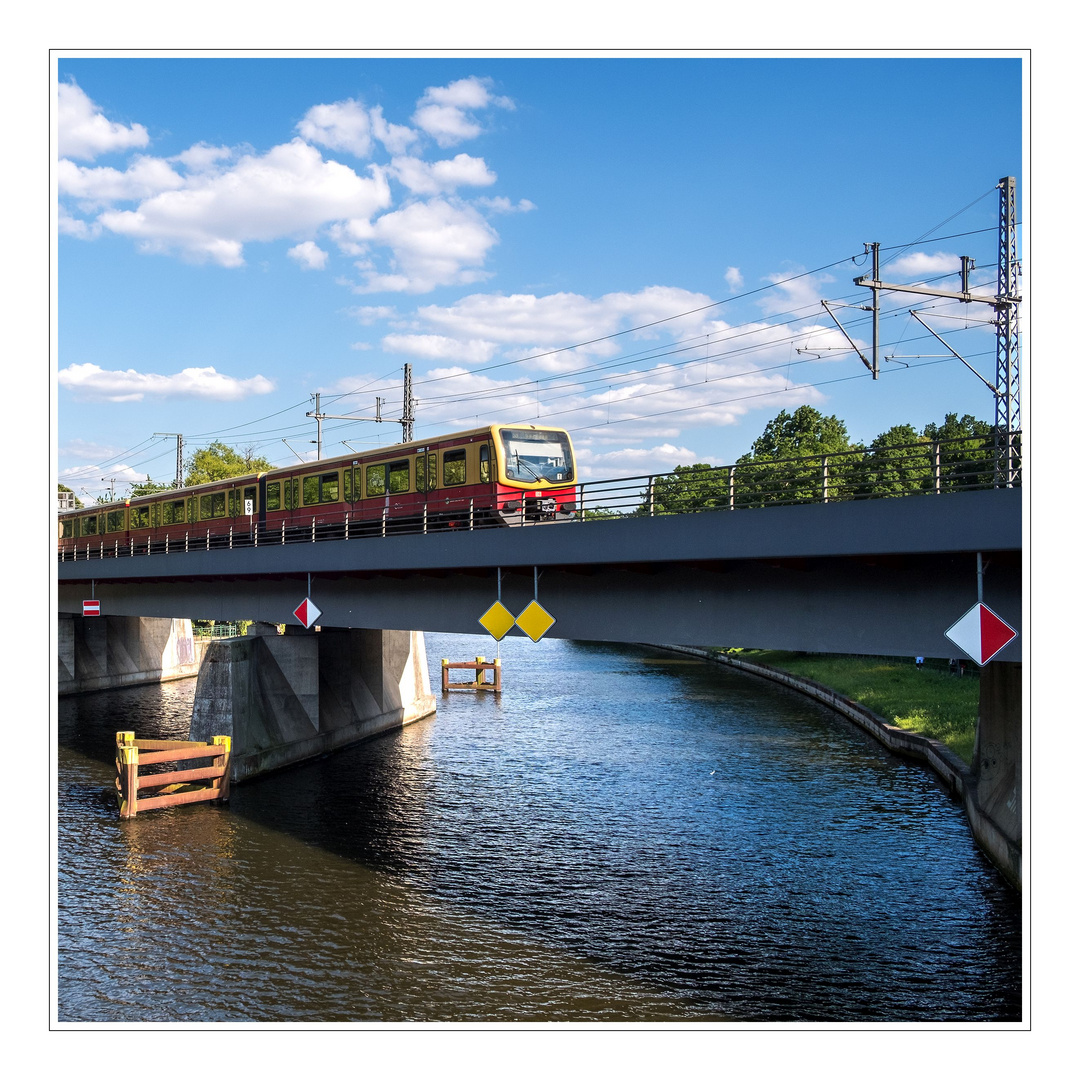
{"x": 143, "y": 178}
{"x": 923, "y": 265}
{"x": 633, "y": 460}
{"x": 444, "y": 112}
{"x": 795, "y": 290}
{"x": 286, "y": 191}
{"x": 397, "y": 138}
{"x": 84, "y": 132}
{"x": 309, "y": 255}
{"x": 437, "y": 177}
{"x": 433, "y": 243}
{"x": 502, "y": 205}
{"x": 88, "y": 381}
{"x": 203, "y": 156}
{"x": 370, "y": 315}
{"x": 344, "y": 125}
{"x": 559, "y": 320}
{"x": 734, "y": 278}
{"x": 437, "y": 347}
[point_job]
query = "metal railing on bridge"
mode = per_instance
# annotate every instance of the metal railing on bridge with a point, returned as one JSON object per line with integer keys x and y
{"x": 924, "y": 467}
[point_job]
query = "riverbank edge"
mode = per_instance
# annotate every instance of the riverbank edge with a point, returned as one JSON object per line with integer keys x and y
{"x": 957, "y": 776}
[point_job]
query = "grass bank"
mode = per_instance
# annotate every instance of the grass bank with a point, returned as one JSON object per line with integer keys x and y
{"x": 931, "y": 702}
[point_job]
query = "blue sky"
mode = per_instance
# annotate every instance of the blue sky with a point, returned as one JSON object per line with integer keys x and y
{"x": 236, "y": 234}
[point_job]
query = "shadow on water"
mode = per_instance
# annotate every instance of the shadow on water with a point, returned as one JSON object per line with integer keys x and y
{"x": 622, "y": 835}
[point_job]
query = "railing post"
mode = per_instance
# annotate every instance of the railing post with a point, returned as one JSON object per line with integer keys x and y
{"x": 937, "y": 467}
{"x": 166, "y": 543}
{"x": 731, "y": 487}
{"x": 313, "y": 528}
{"x": 187, "y": 538}
{"x": 256, "y": 534}
{"x": 230, "y": 537}
{"x": 652, "y": 496}
{"x": 581, "y": 509}
{"x": 384, "y": 521}
{"x": 346, "y": 525}
{"x": 824, "y": 477}
{"x": 425, "y": 519}
{"x": 471, "y": 513}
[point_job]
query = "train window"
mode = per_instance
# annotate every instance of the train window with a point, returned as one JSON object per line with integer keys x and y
{"x": 140, "y": 517}
{"x": 88, "y": 526}
{"x": 235, "y": 505}
{"x": 292, "y": 494}
{"x": 172, "y": 512}
{"x": 352, "y": 489}
{"x": 453, "y": 467}
{"x": 212, "y": 505}
{"x": 273, "y": 495}
{"x": 485, "y": 463}
{"x": 114, "y": 521}
{"x": 66, "y": 529}
{"x": 321, "y": 489}
{"x": 537, "y": 455}
{"x": 399, "y": 477}
{"x": 376, "y": 480}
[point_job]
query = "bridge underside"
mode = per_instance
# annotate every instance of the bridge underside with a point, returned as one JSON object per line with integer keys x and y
{"x": 886, "y": 577}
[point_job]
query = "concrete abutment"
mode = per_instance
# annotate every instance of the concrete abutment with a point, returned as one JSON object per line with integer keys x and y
{"x": 287, "y": 698}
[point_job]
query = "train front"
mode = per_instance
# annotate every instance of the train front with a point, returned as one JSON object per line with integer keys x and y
{"x": 536, "y": 474}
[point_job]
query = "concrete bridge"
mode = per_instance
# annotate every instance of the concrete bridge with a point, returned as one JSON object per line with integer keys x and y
{"x": 883, "y": 576}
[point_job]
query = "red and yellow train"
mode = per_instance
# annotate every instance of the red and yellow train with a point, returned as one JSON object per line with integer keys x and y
{"x": 498, "y": 475}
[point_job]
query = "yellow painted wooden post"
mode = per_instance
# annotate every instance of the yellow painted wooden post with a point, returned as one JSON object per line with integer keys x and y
{"x": 223, "y": 784}
{"x": 445, "y": 676}
{"x": 498, "y": 675}
{"x": 129, "y": 780}
{"x": 479, "y": 681}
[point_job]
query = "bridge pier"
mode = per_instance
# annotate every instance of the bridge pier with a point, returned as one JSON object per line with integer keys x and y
{"x": 286, "y": 698}
{"x": 994, "y": 798}
{"x": 110, "y": 651}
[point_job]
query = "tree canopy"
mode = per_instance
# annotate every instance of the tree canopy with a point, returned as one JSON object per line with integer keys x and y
{"x": 218, "y": 462}
{"x": 148, "y": 487}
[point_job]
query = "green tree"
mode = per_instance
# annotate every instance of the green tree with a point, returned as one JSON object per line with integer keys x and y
{"x": 967, "y": 451}
{"x": 689, "y": 488}
{"x": 769, "y": 475}
{"x": 897, "y": 462}
{"x": 218, "y": 462}
{"x": 148, "y": 487}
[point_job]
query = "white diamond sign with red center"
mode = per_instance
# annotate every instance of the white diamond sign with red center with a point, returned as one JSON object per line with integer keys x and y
{"x": 307, "y": 613}
{"x": 981, "y": 634}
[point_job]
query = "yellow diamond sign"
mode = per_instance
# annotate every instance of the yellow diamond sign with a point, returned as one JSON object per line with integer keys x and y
{"x": 535, "y": 621}
{"x": 497, "y": 621}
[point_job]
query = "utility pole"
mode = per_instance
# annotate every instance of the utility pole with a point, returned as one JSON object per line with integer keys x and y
{"x": 406, "y": 420}
{"x": 179, "y": 454}
{"x": 1006, "y": 305}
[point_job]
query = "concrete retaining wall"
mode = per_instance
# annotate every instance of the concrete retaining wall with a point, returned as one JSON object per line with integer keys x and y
{"x": 288, "y": 698}
{"x": 106, "y": 652}
{"x": 998, "y": 836}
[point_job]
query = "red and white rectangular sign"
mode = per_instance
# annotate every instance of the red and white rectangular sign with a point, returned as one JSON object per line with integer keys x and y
{"x": 91, "y": 607}
{"x": 980, "y": 633}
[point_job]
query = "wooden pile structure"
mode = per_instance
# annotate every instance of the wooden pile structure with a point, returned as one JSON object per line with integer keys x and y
{"x": 177, "y": 786}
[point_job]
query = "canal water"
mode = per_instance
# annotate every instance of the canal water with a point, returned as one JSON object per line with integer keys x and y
{"x": 625, "y": 835}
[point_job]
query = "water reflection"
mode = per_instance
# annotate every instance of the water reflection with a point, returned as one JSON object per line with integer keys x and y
{"x": 615, "y": 837}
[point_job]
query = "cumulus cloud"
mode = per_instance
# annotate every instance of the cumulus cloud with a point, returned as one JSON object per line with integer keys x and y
{"x": 90, "y": 382}
{"x": 286, "y": 191}
{"x": 397, "y": 138}
{"x": 445, "y": 112}
{"x": 733, "y": 278}
{"x": 143, "y": 178}
{"x": 795, "y": 290}
{"x": 437, "y": 347}
{"x": 634, "y": 460}
{"x": 309, "y": 255}
{"x": 432, "y": 243}
{"x": 922, "y": 265}
{"x": 438, "y": 177}
{"x": 344, "y": 125}
{"x": 84, "y": 132}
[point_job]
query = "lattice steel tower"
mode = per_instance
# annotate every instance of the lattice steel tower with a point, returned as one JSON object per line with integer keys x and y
{"x": 1007, "y": 415}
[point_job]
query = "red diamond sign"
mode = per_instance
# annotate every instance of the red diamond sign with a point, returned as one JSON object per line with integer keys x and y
{"x": 981, "y": 634}
{"x": 307, "y": 613}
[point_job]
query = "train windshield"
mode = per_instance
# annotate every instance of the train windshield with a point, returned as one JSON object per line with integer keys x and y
{"x": 537, "y": 455}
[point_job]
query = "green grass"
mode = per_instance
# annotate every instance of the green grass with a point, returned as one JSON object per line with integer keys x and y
{"x": 931, "y": 702}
